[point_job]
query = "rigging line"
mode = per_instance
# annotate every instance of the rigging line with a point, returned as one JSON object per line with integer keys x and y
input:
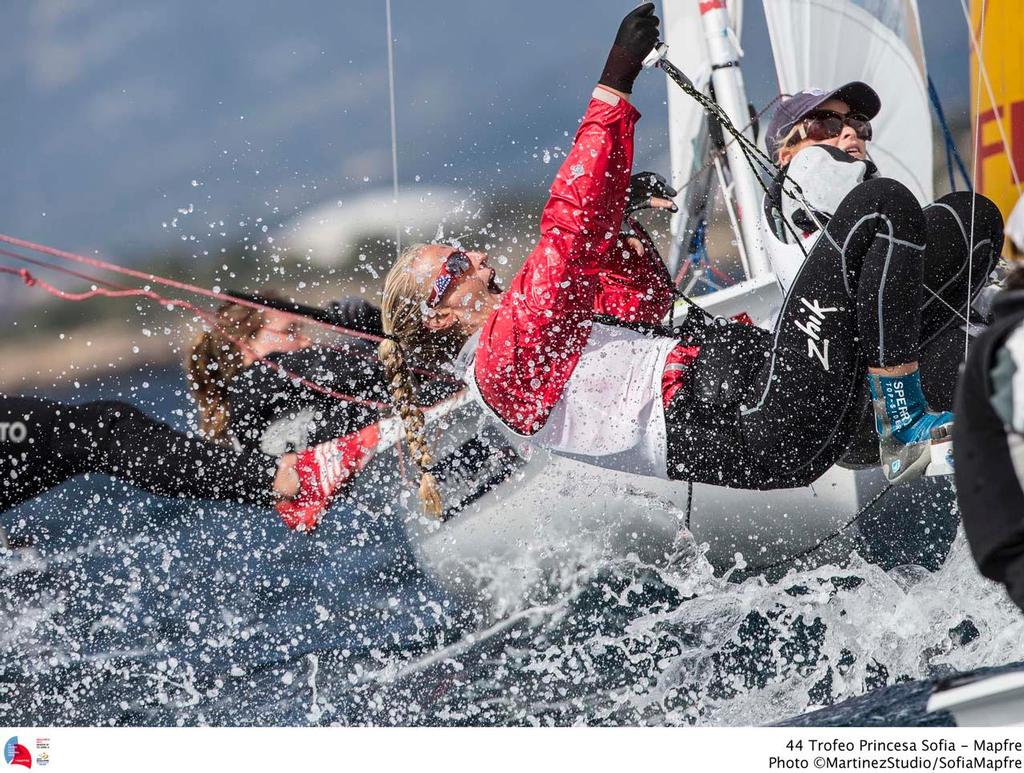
{"x": 33, "y": 281}
{"x": 754, "y": 156}
{"x": 433, "y": 375}
{"x": 61, "y": 269}
{"x": 948, "y": 305}
{"x": 712, "y": 106}
{"x": 838, "y": 532}
{"x": 952, "y": 151}
{"x": 720, "y": 152}
{"x": 394, "y": 131}
{"x": 730, "y": 207}
{"x": 174, "y": 301}
{"x": 983, "y": 76}
{"x": 980, "y": 51}
{"x": 746, "y": 146}
{"x": 113, "y": 267}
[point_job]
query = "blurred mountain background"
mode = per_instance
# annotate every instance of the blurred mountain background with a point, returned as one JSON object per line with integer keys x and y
{"x": 245, "y": 143}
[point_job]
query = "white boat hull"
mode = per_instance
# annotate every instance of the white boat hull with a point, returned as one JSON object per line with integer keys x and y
{"x": 994, "y": 701}
{"x": 557, "y": 515}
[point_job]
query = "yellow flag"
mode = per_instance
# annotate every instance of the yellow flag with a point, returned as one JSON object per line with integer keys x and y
{"x": 999, "y": 142}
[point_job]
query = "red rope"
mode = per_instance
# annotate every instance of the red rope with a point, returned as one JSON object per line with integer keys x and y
{"x": 97, "y": 263}
{"x": 102, "y": 264}
{"x": 61, "y": 269}
{"x": 32, "y": 281}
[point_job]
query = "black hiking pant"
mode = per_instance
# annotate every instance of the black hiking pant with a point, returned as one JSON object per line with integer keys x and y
{"x": 943, "y": 302}
{"x": 947, "y": 263}
{"x": 44, "y": 443}
{"x": 765, "y": 410}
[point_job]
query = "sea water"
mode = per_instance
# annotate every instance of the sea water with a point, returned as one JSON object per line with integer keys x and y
{"x": 132, "y": 609}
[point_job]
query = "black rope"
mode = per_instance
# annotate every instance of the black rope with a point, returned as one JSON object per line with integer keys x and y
{"x": 857, "y": 516}
{"x": 754, "y": 156}
{"x": 717, "y": 153}
{"x": 712, "y": 107}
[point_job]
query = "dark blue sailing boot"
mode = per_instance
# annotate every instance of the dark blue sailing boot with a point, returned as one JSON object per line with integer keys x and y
{"x": 904, "y": 424}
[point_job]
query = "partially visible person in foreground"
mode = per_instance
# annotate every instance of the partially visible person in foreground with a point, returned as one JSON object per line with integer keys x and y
{"x": 44, "y": 443}
{"x": 731, "y": 405}
{"x": 988, "y": 443}
{"x": 250, "y": 377}
{"x": 245, "y": 374}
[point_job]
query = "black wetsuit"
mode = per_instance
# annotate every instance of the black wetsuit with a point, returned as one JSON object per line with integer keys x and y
{"x": 987, "y": 481}
{"x": 44, "y": 443}
{"x": 771, "y": 410}
{"x": 947, "y": 223}
{"x": 273, "y": 411}
{"x": 954, "y": 225}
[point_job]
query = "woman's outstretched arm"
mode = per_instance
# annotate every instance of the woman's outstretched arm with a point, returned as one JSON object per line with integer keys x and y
{"x": 46, "y": 443}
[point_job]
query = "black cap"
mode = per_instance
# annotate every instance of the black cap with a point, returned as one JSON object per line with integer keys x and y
{"x": 859, "y": 96}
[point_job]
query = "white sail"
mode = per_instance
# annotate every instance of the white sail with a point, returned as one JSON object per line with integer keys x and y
{"x": 826, "y": 43}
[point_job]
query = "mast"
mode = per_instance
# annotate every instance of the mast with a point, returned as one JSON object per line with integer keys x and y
{"x": 687, "y": 125}
{"x": 724, "y": 54}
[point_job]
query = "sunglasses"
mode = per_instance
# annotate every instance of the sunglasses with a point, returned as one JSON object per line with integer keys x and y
{"x": 821, "y": 125}
{"x": 455, "y": 265}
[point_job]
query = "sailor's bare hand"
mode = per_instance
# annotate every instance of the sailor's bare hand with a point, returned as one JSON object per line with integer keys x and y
{"x": 656, "y": 203}
{"x": 286, "y": 481}
{"x": 635, "y": 246}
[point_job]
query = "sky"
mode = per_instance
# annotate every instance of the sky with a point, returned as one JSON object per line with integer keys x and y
{"x": 133, "y": 126}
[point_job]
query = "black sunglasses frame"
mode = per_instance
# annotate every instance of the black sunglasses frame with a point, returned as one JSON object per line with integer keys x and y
{"x": 830, "y": 124}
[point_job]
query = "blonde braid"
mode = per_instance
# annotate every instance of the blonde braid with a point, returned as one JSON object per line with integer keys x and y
{"x": 400, "y": 381}
{"x": 408, "y": 338}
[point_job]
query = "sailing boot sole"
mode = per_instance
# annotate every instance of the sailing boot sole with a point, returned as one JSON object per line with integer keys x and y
{"x": 907, "y": 470}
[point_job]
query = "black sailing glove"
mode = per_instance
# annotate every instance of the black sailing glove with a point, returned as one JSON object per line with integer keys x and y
{"x": 637, "y": 35}
{"x": 644, "y": 186}
{"x": 358, "y": 314}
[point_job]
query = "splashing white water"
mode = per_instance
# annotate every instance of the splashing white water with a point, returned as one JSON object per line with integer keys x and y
{"x": 603, "y": 640}
{"x": 697, "y": 649}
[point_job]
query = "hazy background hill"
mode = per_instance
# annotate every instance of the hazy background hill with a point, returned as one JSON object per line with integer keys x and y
{"x": 190, "y": 138}
{"x": 120, "y": 113}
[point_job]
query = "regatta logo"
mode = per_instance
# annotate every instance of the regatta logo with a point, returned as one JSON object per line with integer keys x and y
{"x": 817, "y": 346}
{"x": 13, "y": 431}
{"x": 42, "y": 752}
{"x": 16, "y": 754}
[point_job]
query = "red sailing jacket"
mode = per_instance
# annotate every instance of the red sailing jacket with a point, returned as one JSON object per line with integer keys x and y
{"x": 634, "y": 288}
{"x": 530, "y": 345}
